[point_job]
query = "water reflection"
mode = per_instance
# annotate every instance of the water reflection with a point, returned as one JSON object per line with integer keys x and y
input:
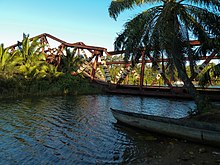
{"x": 77, "y": 130}
{"x": 154, "y": 106}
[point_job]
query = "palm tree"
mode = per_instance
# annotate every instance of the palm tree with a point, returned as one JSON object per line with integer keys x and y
{"x": 167, "y": 27}
{"x": 9, "y": 62}
{"x": 34, "y": 65}
{"x": 70, "y": 60}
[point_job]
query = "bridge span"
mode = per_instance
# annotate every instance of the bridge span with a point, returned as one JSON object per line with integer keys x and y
{"x": 115, "y": 75}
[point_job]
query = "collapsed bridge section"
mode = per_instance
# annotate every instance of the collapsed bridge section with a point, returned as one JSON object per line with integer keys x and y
{"x": 110, "y": 68}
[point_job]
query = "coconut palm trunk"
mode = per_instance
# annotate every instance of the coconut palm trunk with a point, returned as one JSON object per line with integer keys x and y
{"x": 185, "y": 78}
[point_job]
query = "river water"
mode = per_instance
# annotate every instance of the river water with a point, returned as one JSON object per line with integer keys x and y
{"x": 78, "y": 129}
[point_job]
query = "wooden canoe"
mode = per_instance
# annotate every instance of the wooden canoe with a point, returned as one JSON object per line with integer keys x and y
{"x": 207, "y": 133}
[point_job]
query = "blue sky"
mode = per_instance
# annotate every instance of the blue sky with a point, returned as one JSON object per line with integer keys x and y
{"x": 70, "y": 20}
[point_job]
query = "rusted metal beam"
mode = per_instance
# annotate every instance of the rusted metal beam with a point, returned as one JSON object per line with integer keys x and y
{"x": 191, "y": 43}
{"x": 85, "y": 47}
{"x": 54, "y": 38}
{"x": 15, "y": 45}
{"x": 77, "y": 45}
{"x": 80, "y": 45}
{"x": 160, "y": 60}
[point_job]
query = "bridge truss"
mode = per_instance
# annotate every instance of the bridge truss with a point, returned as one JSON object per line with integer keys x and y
{"x": 98, "y": 63}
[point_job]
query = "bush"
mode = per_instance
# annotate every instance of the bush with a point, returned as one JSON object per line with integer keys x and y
{"x": 62, "y": 85}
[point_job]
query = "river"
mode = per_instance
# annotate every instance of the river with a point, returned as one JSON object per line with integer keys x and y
{"x": 78, "y": 129}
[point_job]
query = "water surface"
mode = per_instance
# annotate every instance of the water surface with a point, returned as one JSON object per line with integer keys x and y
{"x": 79, "y": 129}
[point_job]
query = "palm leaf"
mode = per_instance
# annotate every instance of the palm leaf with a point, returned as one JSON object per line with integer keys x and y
{"x": 117, "y": 6}
{"x": 213, "y": 4}
{"x": 206, "y": 78}
{"x": 5, "y": 57}
{"x": 1, "y": 50}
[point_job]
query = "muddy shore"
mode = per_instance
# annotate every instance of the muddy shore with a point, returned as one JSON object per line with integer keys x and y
{"x": 164, "y": 150}
{"x": 181, "y": 152}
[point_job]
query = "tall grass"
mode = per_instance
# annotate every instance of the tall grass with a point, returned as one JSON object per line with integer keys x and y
{"x": 61, "y": 85}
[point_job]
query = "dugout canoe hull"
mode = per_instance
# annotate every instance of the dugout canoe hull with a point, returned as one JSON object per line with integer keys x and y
{"x": 207, "y": 133}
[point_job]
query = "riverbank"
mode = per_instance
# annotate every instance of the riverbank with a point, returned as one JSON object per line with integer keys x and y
{"x": 176, "y": 151}
{"x": 54, "y": 86}
{"x": 172, "y": 151}
{"x": 184, "y": 152}
{"x": 212, "y": 116}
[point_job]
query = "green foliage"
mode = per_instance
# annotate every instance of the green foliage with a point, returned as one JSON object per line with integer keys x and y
{"x": 69, "y": 61}
{"x": 64, "y": 84}
{"x": 34, "y": 65}
{"x": 8, "y": 62}
{"x": 203, "y": 105}
{"x": 210, "y": 76}
{"x": 25, "y": 72}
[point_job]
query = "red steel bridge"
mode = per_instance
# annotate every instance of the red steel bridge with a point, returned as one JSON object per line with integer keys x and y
{"x": 98, "y": 66}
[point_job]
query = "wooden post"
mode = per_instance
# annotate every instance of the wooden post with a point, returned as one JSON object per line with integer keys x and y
{"x": 142, "y": 69}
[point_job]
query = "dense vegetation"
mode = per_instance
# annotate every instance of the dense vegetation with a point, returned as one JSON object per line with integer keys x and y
{"x": 25, "y": 71}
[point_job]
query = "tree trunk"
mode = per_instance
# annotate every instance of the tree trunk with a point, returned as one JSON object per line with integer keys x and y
{"x": 200, "y": 101}
{"x": 191, "y": 64}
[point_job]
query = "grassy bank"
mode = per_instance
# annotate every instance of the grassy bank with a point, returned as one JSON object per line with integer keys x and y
{"x": 61, "y": 85}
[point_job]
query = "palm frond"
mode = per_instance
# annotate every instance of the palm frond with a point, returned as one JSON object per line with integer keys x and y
{"x": 136, "y": 31}
{"x": 209, "y": 21}
{"x": 34, "y": 44}
{"x": 1, "y": 50}
{"x": 193, "y": 19}
{"x": 117, "y": 6}
{"x": 214, "y": 4}
{"x": 212, "y": 73}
